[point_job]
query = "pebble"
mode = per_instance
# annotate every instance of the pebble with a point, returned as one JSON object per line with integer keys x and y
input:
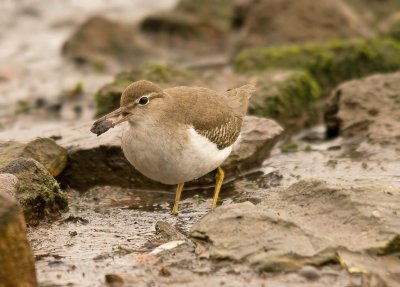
{"x": 309, "y": 272}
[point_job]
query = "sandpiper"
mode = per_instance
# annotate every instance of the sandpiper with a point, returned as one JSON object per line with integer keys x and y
{"x": 178, "y": 134}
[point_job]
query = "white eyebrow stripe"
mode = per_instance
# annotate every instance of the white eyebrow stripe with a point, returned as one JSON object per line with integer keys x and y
{"x": 148, "y": 95}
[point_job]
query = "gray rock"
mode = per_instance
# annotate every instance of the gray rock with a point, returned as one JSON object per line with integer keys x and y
{"x": 306, "y": 224}
{"x": 16, "y": 260}
{"x": 309, "y": 272}
{"x": 366, "y": 113}
{"x": 38, "y": 192}
{"x": 99, "y": 39}
{"x": 52, "y": 156}
{"x": 191, "y": 28}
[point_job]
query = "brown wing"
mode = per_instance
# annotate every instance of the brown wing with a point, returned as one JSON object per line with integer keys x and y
{"x": 208, "y": 113}
{"x": 223, "y": 134}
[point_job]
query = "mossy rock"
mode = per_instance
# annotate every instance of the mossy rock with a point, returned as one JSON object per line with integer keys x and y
{"x": 52, "y": 156}
{"x": 38, "y": 192}
{"x": 108, "y": 97}
{"x": 287, "y": 96}
{"x": 329, "y": 63}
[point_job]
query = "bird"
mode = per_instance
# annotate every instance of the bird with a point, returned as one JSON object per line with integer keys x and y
{"x": 178, "y": 134}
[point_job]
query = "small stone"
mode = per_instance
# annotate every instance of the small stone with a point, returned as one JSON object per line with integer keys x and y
{"x": 164, "y": 272}
{"x": 101, "y": 126}
{"x": 113, "y": 278}
{"x": 309, "y": 272}
{"x": 73, "y": 233}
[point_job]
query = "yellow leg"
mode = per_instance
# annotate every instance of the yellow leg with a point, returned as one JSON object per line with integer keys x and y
{"x": 219, "y": 178}
{"x": 179, "y": 189}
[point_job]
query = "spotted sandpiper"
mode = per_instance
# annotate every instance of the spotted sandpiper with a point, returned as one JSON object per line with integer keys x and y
{"x": 178, "y": 134}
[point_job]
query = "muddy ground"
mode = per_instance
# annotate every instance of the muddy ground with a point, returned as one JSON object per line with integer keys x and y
{"x": 111, "y": 230}
{"x": 327, "y": 209}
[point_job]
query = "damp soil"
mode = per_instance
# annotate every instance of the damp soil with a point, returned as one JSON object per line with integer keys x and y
{"x": 111, "y": 230}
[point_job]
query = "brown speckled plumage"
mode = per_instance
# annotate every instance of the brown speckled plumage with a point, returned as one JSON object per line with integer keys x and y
{"x": 225, "y": 134}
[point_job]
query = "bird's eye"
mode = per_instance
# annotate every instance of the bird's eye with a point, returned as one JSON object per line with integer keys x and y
{"x": 143, "y": 101}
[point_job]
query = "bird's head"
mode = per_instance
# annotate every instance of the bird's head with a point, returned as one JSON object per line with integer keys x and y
{"x": 138, "y": 100}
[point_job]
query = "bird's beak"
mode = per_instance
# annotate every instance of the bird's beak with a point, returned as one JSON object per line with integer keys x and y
{"x": 109, "y": 121}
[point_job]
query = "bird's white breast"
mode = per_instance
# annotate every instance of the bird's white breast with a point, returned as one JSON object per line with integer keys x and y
{"x": 171, "y": 158}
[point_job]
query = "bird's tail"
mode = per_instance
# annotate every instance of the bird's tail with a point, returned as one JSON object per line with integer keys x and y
{"x": 238, "y": 99}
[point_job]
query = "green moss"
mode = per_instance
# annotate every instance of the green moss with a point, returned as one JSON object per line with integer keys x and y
{"x": 287, "y": 96}
{"x": 108, "y": 97}
{"x": 99, "y": 66}
{"x": 307, "y": 148}
{"x": 329, "y": 63}
{"x": 41, "y": 197}
{"x": 198, "y": 199}
{"x": 332, "y": 162}
{"x": 289, "y": 147}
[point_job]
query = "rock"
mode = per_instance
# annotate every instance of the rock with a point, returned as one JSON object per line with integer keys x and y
{"x": 191, "y": 28}
{"x": 16, "y": 260}
{"x": 108, "y": 97}
{"x": 366, "y": 113}
{"x": 113, "y": 279}
{"x": 99, "y": 39}
{"x": 286, "y": 96}
{"x": 280, "y": 22}
{"x": 38, "y": 192}
{"x": 329, "y": 63}
{"x": 183, "y": 31}
{"x": 52, "y": 156}
{"x": 306, "y": 224}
